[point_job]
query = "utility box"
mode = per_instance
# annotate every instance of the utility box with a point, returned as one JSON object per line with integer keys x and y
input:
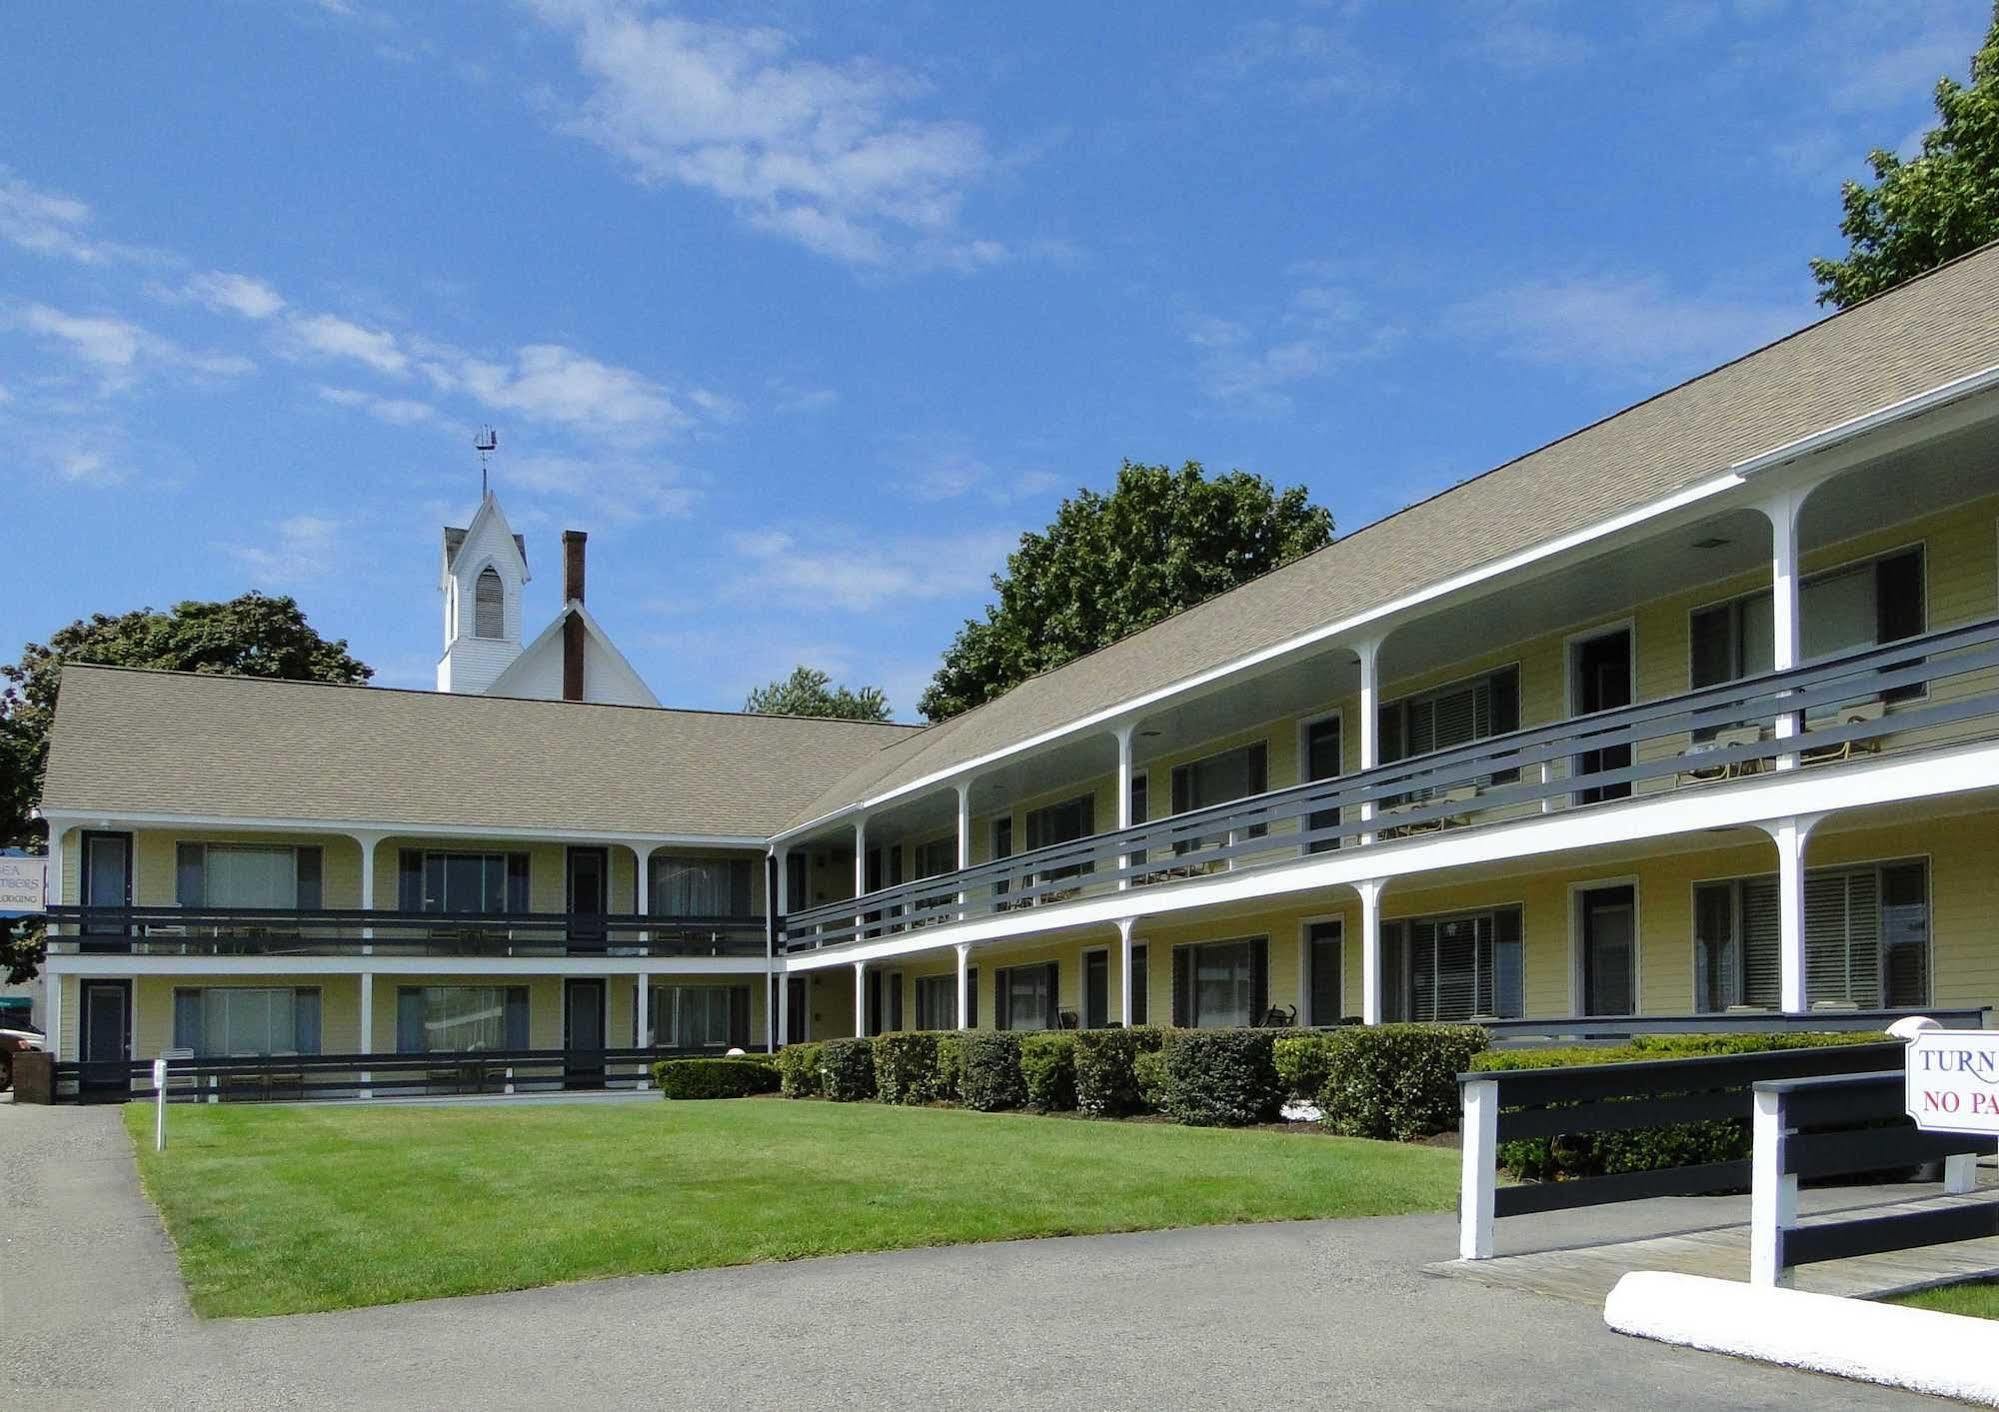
{"x": 34, "y": 1076}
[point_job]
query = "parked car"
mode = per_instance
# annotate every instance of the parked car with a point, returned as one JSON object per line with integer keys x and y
{"x": 13, "y": 1042}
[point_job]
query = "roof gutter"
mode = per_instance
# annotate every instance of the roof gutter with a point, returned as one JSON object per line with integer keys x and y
{"x": 1735, "y": 476}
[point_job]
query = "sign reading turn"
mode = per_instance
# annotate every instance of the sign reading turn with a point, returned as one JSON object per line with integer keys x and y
{"x": 1953, "y": 1081}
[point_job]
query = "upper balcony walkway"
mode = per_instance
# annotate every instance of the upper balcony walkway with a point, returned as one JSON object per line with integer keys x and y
{"x": 1920, "y": 693}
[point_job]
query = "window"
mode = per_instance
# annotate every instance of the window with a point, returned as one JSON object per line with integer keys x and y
{"x": 220, "y": 1021}
{"x": 1322, "y": 762}
{"x": 1061, "y": 823}
{"x": 1449, "y": 716}
{"x": 1220, "y": 779}
{"x": 699, "y": 1016}
{"x": 486, "y": 883}
{"x": 1024, "y": 997}
{"x": 937, "y": 1002}
{"x": 1141, "y": 809}
{"x": 459, "y": 1019}
{"x": 971, "y": 997}
{"x": 703, "y": 887}
{"x": 1867, "y": 939}
{"x": 1845, "y": 609}
{"x": 489, "y": 605}
{"x": 1220, "y": 984}
{"x": 1324, "y": 973}
{"x": 1454, "y": 968}
{"x": 246, "y": 875}
{"x": 935, "y": 859}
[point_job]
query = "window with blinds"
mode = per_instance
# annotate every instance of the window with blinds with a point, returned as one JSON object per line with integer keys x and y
{"x": 1462, "y": 713}
{"x": 1223, "y": 778}
{"x": 488, "y": 883}
{"x": 1867, "y": 939}
{"x": 1455, "y": 968}
{"x": 224, "y": 1021}
{"x": 246, "y": 875}
{"x": 702, "y": 887}
{"x": 937, "y": 1002}
{"x": 1061, "y": 823}
{"x": 1841, "y": 610}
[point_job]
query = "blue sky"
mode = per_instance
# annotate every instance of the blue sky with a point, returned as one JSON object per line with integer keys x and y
{"x": 805, "y": 312}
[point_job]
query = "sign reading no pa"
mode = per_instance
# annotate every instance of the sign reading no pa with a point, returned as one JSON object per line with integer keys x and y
{"x": 21, "y": 881}
{"x": 1953, "y": 1081}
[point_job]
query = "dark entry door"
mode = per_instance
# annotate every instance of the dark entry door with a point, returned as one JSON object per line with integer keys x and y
{"x": 1603, "y": 683}
{"x": 104, "y": 1041}
{"x": 1609, "y": 925}
{"x": 1322, "y": 762}
{"x": 583, "y": 1033}
{"x": 1096, "y": 990}
{"x": 589, "y": 897}
{"x": 107, "y": 882}
{"x": 794, "y": 1011}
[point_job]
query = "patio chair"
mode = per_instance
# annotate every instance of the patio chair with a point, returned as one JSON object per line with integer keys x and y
{"x": 1695, "y": 773}
{"x": 1858, "y": 713}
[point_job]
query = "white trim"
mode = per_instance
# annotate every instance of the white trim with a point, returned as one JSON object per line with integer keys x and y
{"x": 1384, "y": 616}
{"x": 94, "y": 820}
{"x": 114, "y": 964}
{"x": 1723, "y": 805}
{"x": 1575, "y": 894}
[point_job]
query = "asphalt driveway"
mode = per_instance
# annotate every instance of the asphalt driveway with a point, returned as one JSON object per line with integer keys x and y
{"x": 1330, "y": 1313}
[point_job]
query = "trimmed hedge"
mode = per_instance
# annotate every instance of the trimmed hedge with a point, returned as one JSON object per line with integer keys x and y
{"x": 847, "y": 1067}
{"x": 992, "y": 1078}
{"x": 1221, "y": 1078}
{"x": 1645, "y": 1149}
{"x": 714, "y": 1078}
{"x": 1396, "y": 1082}
{"x": 906, "y": 1067}
{"x": 1148, "y": 1071}
{"x": 1304, "y": 1062}
{"x": 1048, "y": 1064}
{"x": 951, "y": 1068}
{"x": 798, "y": 1071}
{"x": 1107, "y": 1084}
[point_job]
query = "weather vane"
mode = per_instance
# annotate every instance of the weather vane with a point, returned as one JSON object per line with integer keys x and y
{"x": 485, "y": 442}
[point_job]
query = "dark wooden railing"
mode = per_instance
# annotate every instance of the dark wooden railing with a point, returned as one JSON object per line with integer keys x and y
{"x": 1680, "y": 742}
{"x": 276, "y": 931}
{"x": 1592, "y": 1029}
{"x": 299, "y": 1077}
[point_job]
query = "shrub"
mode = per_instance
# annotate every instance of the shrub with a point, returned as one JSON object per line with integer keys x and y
{"x": 1304, "y": 1060}
{"x": 950, "y": 1068}
{"x": 906, "y": 1067}
{"x": 1048, "y": 1064}
{"x": 1644, "y": 1149}
{"x": 798, "y": 1071}
{"x": 992, "y": 1078}
{"x": 1396, "y": 1082}
{"x": 1221, "y": 1078}
{"x": 1148, "y": 1071}
{"x": 847, "y": 1069}
{"x": 1107, "y": 1084}
{"x": 714, "y": 1078}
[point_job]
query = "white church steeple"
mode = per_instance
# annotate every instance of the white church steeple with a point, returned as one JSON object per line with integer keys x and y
{"x": 485, "y": 567}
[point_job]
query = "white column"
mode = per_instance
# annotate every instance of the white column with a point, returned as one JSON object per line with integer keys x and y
{"x": 964, "y": 841}
{"x": 1773, "y": 1197}
{"x": 642, "y": 892}
{"x": 367, "y": 1044}
{"x": 1124, "y": 929}
{"x": 367, "y": 842}
{"x": 1123, "y": 735}
{"x": 1782, "y": 511}
{"x": 860, "y": 870}
{"x": 1369, "y": 653}
{"x": 1370, "y": 949}
{"x": 783, "y": 856}
{"x": 643, "y": 1003}
{"x": 1479, "y": 1173}
{"x": 52, "y": 886}
{"x": 964, "y": 974}
{"x": 1790, "y": 836}
{"x": 860, "y": 999}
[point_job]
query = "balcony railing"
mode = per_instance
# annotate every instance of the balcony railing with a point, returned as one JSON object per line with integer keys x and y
{"x": 276, "y": 931}
{"x": 1917, "y": 692}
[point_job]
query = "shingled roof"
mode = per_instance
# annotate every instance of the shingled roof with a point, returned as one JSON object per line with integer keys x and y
{"x": 1926, "y": 332}
{"x": 133, "y": 741}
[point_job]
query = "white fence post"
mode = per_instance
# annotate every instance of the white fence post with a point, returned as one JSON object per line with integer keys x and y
{"x": 1773, "y": 1197}
{"x": 1480, "y": 1175}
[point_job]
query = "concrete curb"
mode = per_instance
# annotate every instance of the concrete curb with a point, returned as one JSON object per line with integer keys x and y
{"x": 1945, "y": 1355}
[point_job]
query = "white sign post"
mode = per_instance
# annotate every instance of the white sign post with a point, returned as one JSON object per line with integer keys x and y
{"x": 22, "y": 883}
{"x": 1953, "y": 1081}
{"x": 160, "y": 1105}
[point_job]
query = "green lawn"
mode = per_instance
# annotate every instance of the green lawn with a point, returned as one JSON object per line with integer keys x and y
{"x": 1978, "y": 1298}
{"x": 285, "y": 1209}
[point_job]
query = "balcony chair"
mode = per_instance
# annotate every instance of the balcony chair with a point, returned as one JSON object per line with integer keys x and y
{"x": 1855, "y": 714}
{"x": 1693, "y": 773}
{"x": 1456, "y": 794}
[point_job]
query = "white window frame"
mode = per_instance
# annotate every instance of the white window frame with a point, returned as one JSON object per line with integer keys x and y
{"x": 1576, "y": 892}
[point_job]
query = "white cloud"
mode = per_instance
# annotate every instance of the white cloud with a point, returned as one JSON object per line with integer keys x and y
{"x": 551, "y": 383}
{"x": 397, "y": 411}
{"x": 934, "y": 469}
{"x": 793, "y": 401}
{"x": 1312, "y": 63}
{"x": 234, "y": 294}
{"x": 335, "y": 337}
{"x": 826, "y": 155}
{"x": 50, "y": 223}
{"x": 301, "y": 547}
{"x": 864, "y": 575}
{"x": 1624, "y": 326}
{"x": 1321, "y": 328}
{"x": 80, "y": 467}
{"x": 614, "y": 487}
{"x": 117, "y": 347}
{"x": 1522, "y": 39}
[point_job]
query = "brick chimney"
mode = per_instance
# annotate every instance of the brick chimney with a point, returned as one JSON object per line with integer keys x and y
{"x": 572, "y": 625}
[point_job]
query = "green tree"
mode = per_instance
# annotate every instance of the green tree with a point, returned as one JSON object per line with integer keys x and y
{"x": 1160, "y": 541}
{"x": 810, "y": 692}
{"x": 1934, "y": 207}
{"x": 250, "y": 636}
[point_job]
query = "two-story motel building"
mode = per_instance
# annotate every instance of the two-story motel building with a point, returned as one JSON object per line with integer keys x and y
{"x": 1694, "y": 712}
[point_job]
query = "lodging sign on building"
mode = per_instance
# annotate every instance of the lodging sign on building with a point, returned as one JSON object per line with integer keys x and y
{"x": 21, "y": 883}
{"x": 1953, "y": 1081}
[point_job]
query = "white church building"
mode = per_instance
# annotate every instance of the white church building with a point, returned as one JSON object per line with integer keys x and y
{"x": 482, "y": 576}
